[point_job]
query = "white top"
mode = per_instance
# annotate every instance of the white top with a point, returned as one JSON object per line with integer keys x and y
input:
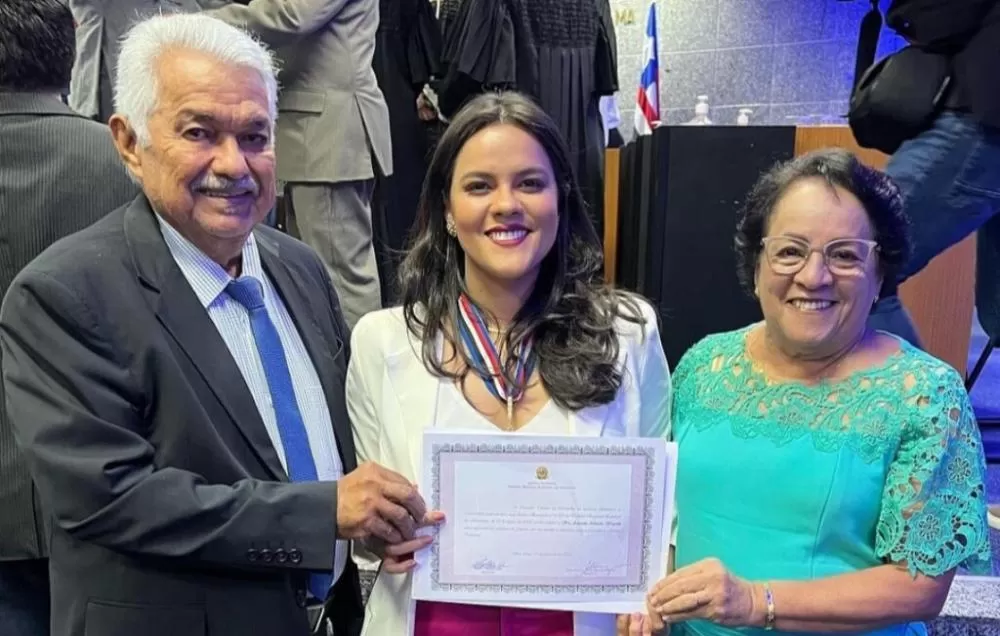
{"x": 454, "y": 412}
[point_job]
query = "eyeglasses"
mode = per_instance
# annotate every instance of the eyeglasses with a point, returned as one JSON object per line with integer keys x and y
{"x": 787, "y": 255}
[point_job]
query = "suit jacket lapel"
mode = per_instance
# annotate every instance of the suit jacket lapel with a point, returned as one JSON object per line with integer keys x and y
{"x": 182, "y": 315}
{"x": 326, "y": 350}
{"x": 416, "y": 394}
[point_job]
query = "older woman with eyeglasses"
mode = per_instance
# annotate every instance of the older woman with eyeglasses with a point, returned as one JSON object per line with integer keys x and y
{"x": 830, "y": 477}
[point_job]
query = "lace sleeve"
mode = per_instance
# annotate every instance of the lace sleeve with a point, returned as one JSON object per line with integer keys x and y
{"x": 700, "y": 364}
{"x": 681, "y": 378}
{"x": 933, "y": 515}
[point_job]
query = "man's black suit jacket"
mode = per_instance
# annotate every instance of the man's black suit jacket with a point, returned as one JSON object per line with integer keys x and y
{"x": 171, "y": 514}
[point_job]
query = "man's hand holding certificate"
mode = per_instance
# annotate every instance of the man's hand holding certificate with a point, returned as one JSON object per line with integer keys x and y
{"x": 570, "y": 523}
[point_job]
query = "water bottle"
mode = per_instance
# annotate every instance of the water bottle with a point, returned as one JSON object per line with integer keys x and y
{"x": 700, "y": 113}
{"x": 743, "y": 119}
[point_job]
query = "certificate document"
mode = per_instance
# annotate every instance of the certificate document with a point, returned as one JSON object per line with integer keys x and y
{"x": 546, "y": 521}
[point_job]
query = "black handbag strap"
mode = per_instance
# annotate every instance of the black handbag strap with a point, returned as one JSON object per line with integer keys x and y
{"x": 871, "y": 26}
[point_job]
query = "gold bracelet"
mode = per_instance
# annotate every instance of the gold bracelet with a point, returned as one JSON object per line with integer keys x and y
{"x": 769, "y": 600}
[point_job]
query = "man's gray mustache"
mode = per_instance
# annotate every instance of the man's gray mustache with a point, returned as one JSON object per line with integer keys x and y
{"x": 221, "y": 185}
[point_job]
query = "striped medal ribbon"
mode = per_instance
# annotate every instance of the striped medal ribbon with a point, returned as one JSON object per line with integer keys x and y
{"x": 486, "y": 359}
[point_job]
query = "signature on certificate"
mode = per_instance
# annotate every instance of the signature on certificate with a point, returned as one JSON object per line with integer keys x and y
{"x": 486, "y": 564}
{"x": 593, "y": 568}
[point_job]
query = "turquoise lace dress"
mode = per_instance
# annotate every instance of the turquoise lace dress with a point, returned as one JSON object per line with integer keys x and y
{"x": 794, "y": 481}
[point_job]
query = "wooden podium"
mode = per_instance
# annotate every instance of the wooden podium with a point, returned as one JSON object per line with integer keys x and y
{"x": 940, "y": 298}
{"x": 612, "y": 173}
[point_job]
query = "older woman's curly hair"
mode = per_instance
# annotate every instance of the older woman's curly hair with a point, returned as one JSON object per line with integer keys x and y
{"x": 877, "y": 192}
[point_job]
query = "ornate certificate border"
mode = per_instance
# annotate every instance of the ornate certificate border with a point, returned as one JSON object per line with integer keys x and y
{"x": 541, "y": 451}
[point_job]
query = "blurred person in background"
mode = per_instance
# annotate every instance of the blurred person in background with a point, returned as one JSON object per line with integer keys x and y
{"x": 948, "y": 173}
{"x": 333, "y": 130}
{"x": 100, "y": 26}
{"x": 59, "y": 173}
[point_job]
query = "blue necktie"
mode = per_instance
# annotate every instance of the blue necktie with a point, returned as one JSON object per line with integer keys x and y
{"x": 248, "y": 292}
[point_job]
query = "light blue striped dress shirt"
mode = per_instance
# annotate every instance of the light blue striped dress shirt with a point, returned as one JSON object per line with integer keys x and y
{"x": 208, "y": 280}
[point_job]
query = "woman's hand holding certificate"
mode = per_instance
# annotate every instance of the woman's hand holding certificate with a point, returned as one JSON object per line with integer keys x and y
{"x": 397, "y": 558}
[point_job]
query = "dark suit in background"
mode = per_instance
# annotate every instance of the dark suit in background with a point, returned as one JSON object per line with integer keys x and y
{"x": 172, "y": 515}
{"x": 100, "y": 26}
{"x": 59, "y": 172}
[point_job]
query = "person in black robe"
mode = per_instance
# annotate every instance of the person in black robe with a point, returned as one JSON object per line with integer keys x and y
{"x": 407, "y": 56}
{"x": 560, "y": 52}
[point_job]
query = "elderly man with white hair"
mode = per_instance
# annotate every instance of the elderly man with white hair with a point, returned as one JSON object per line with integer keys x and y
{"x": 175, "y": 376}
